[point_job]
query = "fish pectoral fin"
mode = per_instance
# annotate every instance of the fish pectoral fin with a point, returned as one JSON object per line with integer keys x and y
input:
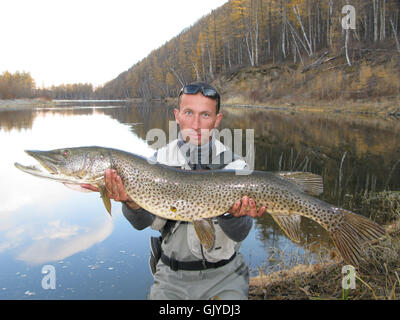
{"x": 105, "y": 197}
{"x": 290, "y": 224}
{"x": 76, "y": 187}
{"x": 308, "y": 182}
{"x": 205, "y": 232}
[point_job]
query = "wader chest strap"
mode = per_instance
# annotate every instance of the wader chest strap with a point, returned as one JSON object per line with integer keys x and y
{"x": 176, "y": 265}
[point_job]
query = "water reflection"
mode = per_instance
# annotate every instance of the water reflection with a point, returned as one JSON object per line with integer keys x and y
{"x": 53, "y": 237}
{"x": 44, "y": 222}
{"x": 348, "y": 152}
{"x": 41, "y": 221}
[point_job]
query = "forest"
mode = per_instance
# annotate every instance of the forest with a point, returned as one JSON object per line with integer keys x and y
{"x": 239, "y": 34}
{"x": 21, "y": 85}
{"x": 16, "y": 85}
{"x": 244, "y": 33}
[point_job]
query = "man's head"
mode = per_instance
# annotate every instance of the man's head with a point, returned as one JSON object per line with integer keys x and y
{"x": 198, "y": 112}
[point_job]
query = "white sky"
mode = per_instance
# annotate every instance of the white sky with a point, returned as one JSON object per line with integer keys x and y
{"x": 71, "y": 41}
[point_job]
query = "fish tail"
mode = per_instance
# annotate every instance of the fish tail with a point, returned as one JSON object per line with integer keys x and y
{"x": 354, "y": 231}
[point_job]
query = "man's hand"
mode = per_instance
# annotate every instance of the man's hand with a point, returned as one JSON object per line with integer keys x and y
{"x": 115, "y": 189}
{"x": 246, "y": 207}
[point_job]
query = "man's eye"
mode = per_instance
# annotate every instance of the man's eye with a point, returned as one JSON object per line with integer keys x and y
{"x": 206, "y": 115}
{"x": 188, "y": 112}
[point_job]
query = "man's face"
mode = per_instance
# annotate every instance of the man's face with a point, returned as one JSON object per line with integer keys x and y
{"x": 197, "y": 116}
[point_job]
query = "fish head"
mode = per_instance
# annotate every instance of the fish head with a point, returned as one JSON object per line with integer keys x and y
{"x": 78, "y": 165}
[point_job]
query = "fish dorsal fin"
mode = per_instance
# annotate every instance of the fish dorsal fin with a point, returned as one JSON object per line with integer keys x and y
{"x": 290, "y": 224}
{"x": 308, "y": 182}
{"x": 105, "y": 197}
{"x": 205, "y": 232}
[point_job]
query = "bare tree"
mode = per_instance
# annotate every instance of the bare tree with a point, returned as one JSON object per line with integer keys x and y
{"x": 395, "y": 35}
{"x": 375, "y": 5}
{"x": 307, "y": 40}
{"x": 383, "y": 21}
{"x": 329, "y": 23}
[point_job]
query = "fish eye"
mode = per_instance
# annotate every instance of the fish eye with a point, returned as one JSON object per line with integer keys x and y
{"x": 65, "y": 153}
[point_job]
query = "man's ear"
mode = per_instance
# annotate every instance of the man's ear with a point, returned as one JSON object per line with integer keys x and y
{"x": 218, "y": 120}
{"x": 176, "y": 114}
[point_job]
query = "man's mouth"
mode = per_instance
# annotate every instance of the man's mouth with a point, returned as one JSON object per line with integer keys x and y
{"x": 195, "y": 137}
{"x": 191, "y": 136}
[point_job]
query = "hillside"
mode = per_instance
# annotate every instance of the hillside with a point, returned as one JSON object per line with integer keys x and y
{"x": 280, "y": 39}
{"x": 370, "y": 84}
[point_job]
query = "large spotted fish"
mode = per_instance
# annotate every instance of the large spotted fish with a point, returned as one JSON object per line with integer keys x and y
{"x": 197, "y": 196}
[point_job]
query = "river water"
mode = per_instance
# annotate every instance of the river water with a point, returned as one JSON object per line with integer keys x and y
{"x": 93, "y": 256}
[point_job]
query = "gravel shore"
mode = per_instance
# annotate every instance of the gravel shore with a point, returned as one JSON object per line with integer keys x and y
{"x": 11, "y": 104}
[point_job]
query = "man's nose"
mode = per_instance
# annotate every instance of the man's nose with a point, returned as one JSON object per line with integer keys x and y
{"x": 196, "y": 123}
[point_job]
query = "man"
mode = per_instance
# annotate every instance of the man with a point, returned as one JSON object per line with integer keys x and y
{"x": 181, "y": 267}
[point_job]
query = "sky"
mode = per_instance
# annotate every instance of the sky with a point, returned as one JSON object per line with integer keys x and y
{"x": 88, "y": 41}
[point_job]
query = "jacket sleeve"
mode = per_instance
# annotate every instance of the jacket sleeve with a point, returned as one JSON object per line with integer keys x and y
{"x": 139, "y": 219}
{"x": 236, "y": 228}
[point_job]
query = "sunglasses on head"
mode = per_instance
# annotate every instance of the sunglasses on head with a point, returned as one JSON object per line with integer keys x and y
{"x": 195, "y": 88}
{"x": 207, "y": 91}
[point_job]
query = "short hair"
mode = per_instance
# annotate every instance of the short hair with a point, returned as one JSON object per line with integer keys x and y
{"x": 202, "y": 86}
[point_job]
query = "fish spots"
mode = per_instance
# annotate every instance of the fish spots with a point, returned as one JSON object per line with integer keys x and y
{"x": 173, "y": 195}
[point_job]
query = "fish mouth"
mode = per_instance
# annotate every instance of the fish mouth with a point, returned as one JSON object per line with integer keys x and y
{"x": 30, "y": 169}
{"x": 47, "y": 159}
{"x": 40, "y": 172}
{"x": 47, "y": 167}
{"x": 51, "y": 167}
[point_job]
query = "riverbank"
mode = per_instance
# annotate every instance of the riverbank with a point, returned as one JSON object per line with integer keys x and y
{"x": 323, "y": 83}
{"x": 324, "y": 281}
{"x": 16, "y": 104}
{"x": 382, "y": 107}
{"x": 378, "y": 280}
